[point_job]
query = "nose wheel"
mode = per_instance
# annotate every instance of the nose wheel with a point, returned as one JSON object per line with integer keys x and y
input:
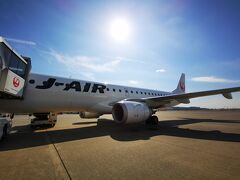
{"x": 153, "y": 120}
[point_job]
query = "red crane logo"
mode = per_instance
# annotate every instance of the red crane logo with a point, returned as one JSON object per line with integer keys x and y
{"x": 16, "y": 82}
{"x": 182, "y": 86}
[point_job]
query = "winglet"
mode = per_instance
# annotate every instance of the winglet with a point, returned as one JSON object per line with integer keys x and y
{"x": 181, "y": 85}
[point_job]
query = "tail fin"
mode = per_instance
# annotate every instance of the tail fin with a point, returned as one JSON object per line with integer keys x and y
{"x": 181, "y": 85}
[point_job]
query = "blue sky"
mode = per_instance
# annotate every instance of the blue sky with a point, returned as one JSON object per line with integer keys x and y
{"x": 72, "y": 39}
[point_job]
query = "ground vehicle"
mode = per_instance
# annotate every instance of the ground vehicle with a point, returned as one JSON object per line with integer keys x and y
{"x": 5, "y": 126}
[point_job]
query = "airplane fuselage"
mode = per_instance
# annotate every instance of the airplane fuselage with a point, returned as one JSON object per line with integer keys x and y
{"x": 55, "y": 94}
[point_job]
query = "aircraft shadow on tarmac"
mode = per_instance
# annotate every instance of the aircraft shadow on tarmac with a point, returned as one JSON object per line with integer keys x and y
{"x": 25, "y": 137}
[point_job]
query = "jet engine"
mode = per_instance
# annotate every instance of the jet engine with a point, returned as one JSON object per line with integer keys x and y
{"x": 125, "y": 112}
{"x": 88, "y": 115}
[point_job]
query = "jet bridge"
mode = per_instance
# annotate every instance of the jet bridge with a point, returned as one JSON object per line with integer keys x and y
{"x": 14, "y": 71}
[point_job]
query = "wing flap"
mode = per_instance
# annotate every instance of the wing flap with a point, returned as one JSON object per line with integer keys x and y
{"x": 227, "y": 95}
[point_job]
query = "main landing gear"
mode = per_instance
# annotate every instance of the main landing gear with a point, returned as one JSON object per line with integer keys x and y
{"x": 153, "y": 120}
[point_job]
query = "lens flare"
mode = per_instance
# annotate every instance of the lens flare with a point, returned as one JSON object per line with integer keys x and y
{"x": 120, "y": 30}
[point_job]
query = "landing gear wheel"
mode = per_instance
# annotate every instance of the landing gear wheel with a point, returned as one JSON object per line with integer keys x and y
{"x": 153, "y": 120}
{"x": 52, "y": 125}
{"x": 4, "y": 135}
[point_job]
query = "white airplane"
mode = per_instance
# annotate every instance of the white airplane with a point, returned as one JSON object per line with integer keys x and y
{"x": 46, "y": 96}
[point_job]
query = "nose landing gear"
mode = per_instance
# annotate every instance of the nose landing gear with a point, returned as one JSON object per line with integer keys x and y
{"x": 44, "y": 119}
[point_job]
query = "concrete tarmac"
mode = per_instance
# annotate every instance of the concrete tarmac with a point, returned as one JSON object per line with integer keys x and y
{"x": 185, "y": 145}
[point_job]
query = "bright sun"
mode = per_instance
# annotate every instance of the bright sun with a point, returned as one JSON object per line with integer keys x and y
{"x": 119, "y": 30}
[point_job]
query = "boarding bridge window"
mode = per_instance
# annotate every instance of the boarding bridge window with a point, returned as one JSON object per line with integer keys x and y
{"x": 21, "y": 69}
{"x": 14, "y": 63}
{"x": 6, "y": 54}
{"x": 1, "y": 63}
{"x": 17, "y": 66}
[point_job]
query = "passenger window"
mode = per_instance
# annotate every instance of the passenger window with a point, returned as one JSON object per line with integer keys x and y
{"x": 126, "y": 91}
{"x": 31, "y": 81}
{"x": 136, "y": 92}
{"x": 131, "y": 91}
{"x": 148, "y": 93}
{"x": 145, "y": 93}
{"x": 120, "y": 90}
{"x": 141, "y": 92}
{"x": 114, "y": 90}
{"x": 107, "y": 89}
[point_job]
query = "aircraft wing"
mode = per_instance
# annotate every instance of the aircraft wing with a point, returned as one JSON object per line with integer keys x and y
{"x": 163, "y": 101}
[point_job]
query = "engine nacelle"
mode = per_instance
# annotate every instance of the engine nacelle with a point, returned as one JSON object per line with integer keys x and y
{"x": 88, "y": 115}
{"x": 125, "y": 112}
